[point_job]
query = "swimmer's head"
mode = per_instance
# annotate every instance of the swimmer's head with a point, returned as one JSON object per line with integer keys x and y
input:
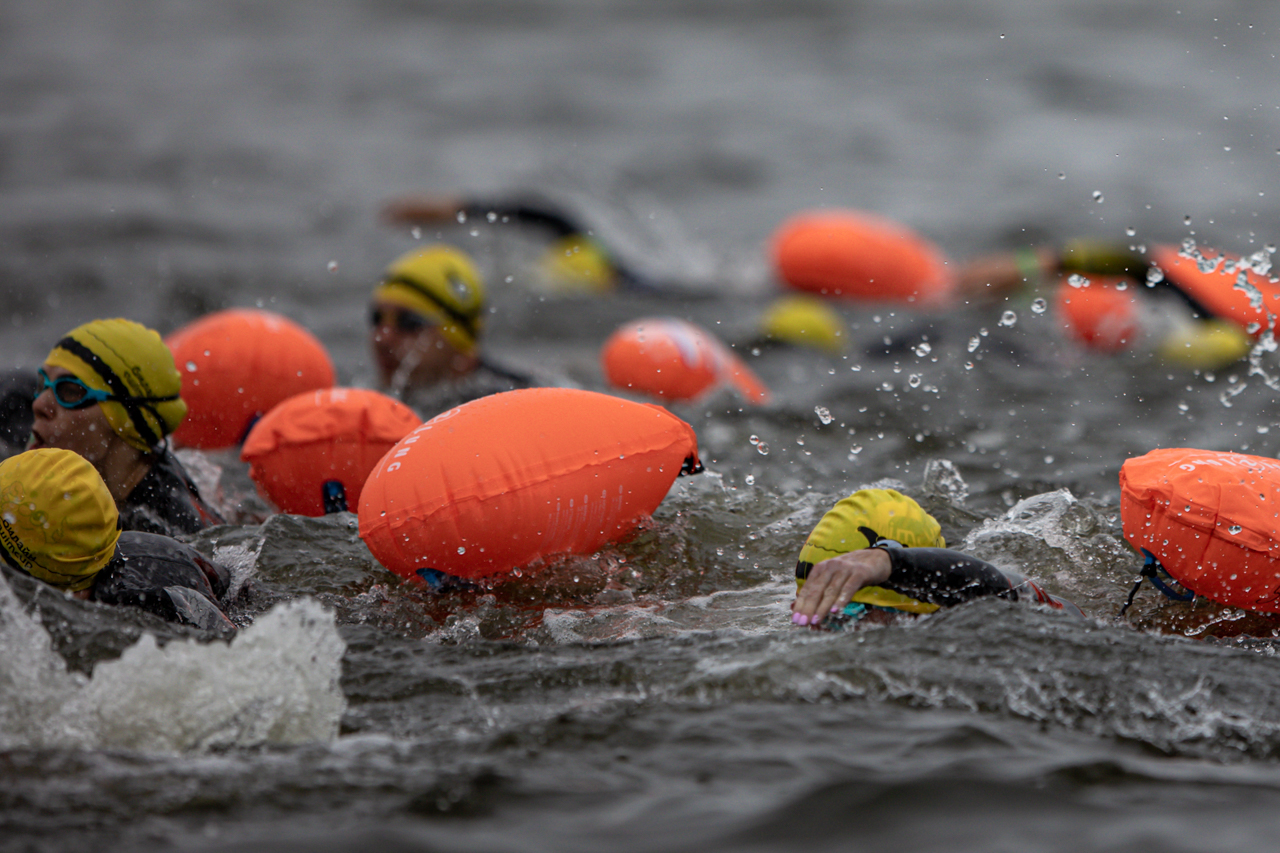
{"x": 864, "y": 518}
{"x": 577, "y": 264}
{"x": 132, "y": 365}
{"x": 439, "y": 284}
{"x": 804, "y": 321}
{"x": 58, "y": 522}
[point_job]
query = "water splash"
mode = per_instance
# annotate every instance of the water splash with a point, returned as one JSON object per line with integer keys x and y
{"x": 276, "y": 683}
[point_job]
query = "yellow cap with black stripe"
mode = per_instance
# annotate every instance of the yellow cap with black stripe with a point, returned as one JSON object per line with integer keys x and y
{"x": 861, "y": 520}
{"x": 58, "y": 522}
{"x": 133, "y": 364}
{"x": 442, "y": 284}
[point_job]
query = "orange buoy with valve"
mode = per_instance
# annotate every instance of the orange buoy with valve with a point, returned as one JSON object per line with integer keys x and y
{"x": 673, "y": 359}
{"x": 859, "y": 255}
{"x": 1212, "y": 520}
{"x": 495, "y": 484}
{"x": 311, "y": 454}
{"x": 236, "y": 365}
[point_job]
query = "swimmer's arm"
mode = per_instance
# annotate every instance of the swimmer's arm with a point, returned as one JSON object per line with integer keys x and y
{"x": 932, "y": 575}
{"x": 942, "y": 576}
{"x": 832, "y": 583}
{"x": 999, "y": 275}
{"x": 429, "y": 210}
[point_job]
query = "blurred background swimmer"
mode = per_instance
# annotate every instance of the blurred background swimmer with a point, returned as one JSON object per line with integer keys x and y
{"x": 109, "y": 391}
{"x": 1190, "y": 306}
{"x": 575, "y": 258}
{"x": 878, "y": 555}
{"x": 59, "y": 524}
{"x": 426, "y": 318}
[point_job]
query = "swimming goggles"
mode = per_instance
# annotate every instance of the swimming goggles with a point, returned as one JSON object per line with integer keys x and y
{"x": 71, "y": 393}
{"x": 404, "y": 320}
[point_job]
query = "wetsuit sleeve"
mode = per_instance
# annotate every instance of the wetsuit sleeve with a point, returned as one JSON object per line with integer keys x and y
{"x": 1089, "y": 256}
{"x": 167, "y": 578}
{"x": 17, "y": 389}
{"x": 554, "y": 221}
{"x": 943, "y": 577}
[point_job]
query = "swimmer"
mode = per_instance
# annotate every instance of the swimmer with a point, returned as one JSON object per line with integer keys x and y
{"x": 109, "y": 391}
{"x": 877, "y": 555}
{"x": 427, "y": 316}
{"x": 575, "y": 259}
{"x": 1130, "y": 296}
{"x": 59, "y": 524}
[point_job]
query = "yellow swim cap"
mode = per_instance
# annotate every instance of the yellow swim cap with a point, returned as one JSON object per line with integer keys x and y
{"x": 577, "y": 264}
{"x": 441, "y": 284}
{"x": 860, "y": 520}
{"x": 132, "y": 363}
{"x": 804, "y": 321}
{"x": 58, "y": 522}
{"x": 1205, "y": 344}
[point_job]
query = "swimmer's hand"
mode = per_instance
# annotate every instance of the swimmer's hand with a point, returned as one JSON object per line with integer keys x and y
{"x": 832, "y": 584}
{"x": 423, "y": 209}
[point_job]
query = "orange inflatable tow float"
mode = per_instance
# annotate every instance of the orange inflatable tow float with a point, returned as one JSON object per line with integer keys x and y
{"x": 235, "y": 366}
{"x": 675, "y": 360}
{"x": 495, "y": 484}
{"x": 1101, "y": 314}
{"x": 858, "y": 255}
{"x": 1217, "y": 290}
{"x": 1211, "y": 519}
{"x": 312, "y": 453}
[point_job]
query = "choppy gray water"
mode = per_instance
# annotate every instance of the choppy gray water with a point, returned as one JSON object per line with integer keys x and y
{"x": 160, "y": 160}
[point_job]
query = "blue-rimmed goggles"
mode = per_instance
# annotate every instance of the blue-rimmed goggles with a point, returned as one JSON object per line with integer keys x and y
{"x": 71, "y": 393}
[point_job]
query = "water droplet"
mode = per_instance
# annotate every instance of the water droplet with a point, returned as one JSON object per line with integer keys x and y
{"x": 763, "y": 448}
{"x": 750, "y": 480}
{"x": 462, "y": 549}
{"x": 1234, "y": 529}
{"x": 1097, "y": 196}
{"x": 974, "y": 343}
{"x": 1062, "y": 176}
{"x": 332, "y": 266}
{"x": 755, "y": 439}
{"x": 914, "y": 380}
{"x": 1077, "y": 281}
{"x": 1186, "y": 220}
{"x": 1008, "y": 318}
{"x": 923, "y": 349}
{"x": 1039, "y": 306}
{"x": 191, "y": 367}
{"x": 1131, "y": 231}
{"x": 823, "y": 413}
{"x": 416, "y": 232}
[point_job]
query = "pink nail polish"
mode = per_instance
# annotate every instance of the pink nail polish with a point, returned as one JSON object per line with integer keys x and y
{"x": 799, "y": 619}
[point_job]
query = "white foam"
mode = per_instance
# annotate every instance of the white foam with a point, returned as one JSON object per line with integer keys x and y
{"x": 277, "y": 683}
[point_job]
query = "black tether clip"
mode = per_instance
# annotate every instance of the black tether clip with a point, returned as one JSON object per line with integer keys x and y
{"x": 1151, "y": 570}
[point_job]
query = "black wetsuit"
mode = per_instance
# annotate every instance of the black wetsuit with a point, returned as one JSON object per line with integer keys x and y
{"x": 168, "y": 578}
{"x": 165, "y": 501}
{"x": 488, "y": 378}
{"x": 944, "y": 577}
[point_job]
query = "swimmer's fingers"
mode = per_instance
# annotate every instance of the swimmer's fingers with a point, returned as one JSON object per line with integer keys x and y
{"x": 833, "y": 583}
{"x": 422, "y": 209}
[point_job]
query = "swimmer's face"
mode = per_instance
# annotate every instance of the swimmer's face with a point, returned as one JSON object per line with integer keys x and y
{"x": 85, "y": 431}
{"x": 408, "y": 349}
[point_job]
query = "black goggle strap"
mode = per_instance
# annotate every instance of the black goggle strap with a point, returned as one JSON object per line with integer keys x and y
{"x": 119, "y": 391}
{"x": 1151, "y": 570}
{"x": 467, "y": 323}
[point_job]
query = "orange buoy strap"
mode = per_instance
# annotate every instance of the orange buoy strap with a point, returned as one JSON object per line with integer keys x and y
{"x": 1151, "y": 570}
